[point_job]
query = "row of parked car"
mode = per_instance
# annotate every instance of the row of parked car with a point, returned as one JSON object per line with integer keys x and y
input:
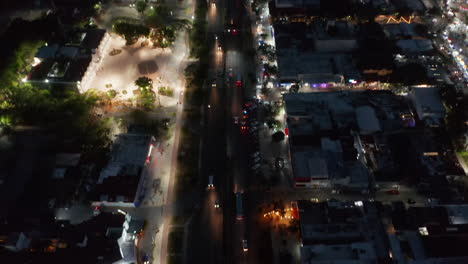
{"x": 249, "y": 129}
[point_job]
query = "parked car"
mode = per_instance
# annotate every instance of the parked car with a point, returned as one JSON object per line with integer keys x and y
{"x": 245, "y": 247}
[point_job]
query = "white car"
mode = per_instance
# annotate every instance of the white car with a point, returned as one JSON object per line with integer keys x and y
{"x": 210, "y": 182}
{"x": 245, "y": 247}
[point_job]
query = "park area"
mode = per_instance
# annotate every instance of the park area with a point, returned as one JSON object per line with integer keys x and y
{"x": 123, "y": 64}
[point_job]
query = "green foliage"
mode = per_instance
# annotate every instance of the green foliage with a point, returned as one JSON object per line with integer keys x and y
{"x": 68, "y": 115}
{"x": 195, "y": 74}
{"x": 166, "y": 91}
{"x": 18, "y": 66}
{"x": 144, "y": 82}
{"x": 160, "y": 17}
{"x": 112, "y": 94}
{"x": 455, "y": 117}
{"x": 130, "y": 32}
{"x": 198, "y": 47}
{"x": 164, "y": 26}
{"x": 146, "y": 98}
{"x": 270, "y": 69}
{"x": 141, "y": 6}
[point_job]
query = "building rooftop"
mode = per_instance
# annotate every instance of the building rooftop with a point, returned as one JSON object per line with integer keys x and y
{"x": 354, "y": 253}
{"x": 93, "y": 38}
{"x": 296, "y": 3}
{"x": 120, "y": 181}
{"x": 318, "y": 112}
{"x": 458, "y": 214}
{"x": 332, "y": 221}
{"x": 415, "y": 46}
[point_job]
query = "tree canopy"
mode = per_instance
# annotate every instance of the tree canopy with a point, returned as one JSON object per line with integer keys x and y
{"x": 141, "y": 6}
{"x": 144, "y": 82}
{"x": 130, "y": 32}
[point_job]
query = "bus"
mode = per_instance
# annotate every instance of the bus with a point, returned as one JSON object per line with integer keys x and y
{"x": 239, "y": 213}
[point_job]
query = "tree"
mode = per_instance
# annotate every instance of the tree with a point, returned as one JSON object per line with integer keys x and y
{"x": 141, "y": 6}
{"x": 270, "y": 69}
{"x": 278, "y": 136}
{"x": 164, "y": 26}
{"x": 146, "y": 96}
{"x": 161, "y": 17}
{"x": 130, "y": 32}
{"x": 144, "y": 82}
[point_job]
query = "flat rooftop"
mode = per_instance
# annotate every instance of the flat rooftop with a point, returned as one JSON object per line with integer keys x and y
{"x": 317, "y": 113}
{"x": 354, "y": 253}
{"x": 128, "y": 155}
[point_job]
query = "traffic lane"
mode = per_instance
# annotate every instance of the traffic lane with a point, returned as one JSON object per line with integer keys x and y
{"x": 201, "y": 251}
{"x": 214, "y": 222}
{"x": 238, "y": 253}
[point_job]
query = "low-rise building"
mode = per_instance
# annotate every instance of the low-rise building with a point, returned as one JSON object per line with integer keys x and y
{"x": 426, "y": 235}
{"x": 341, "y": 232}
{"x": 331, "y": 135}
{"x": 428, "y": 105}
{"x": 316, "y": 55}
{"x": 353, "y": 253}
{"x": 123, "y": 181}
{"x": 72, "y": 63}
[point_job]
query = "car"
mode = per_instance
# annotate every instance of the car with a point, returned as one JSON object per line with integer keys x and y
{"x": 245, "y": 247}
{"x": 255, "y": 154}
{"x": 410, "y": 201}
{"x": 238, "y": 84}
{"x": 216, "y": 204}
{"x": 210, "y": 182}
{"x": 236, "y": 120}
{"x": 393, "y": 192}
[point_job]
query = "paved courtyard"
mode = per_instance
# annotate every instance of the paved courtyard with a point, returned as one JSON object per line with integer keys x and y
{"x": 119, "y": 72}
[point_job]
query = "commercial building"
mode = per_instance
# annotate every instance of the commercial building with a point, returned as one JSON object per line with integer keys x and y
{"x": 341, "y": 232}
{"x": 436, "y": 234}
{"x": 332, "y": 135}
{"x": 123, "y": 181}
{"x": 316, "y": 55}
{"x": 428, "y": 105}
